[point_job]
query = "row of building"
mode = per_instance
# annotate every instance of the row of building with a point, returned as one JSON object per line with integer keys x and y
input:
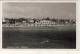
{"x": 36, "y": 22}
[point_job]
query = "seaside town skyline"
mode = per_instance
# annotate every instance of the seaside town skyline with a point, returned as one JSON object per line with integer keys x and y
{"x": 27, "y": 25}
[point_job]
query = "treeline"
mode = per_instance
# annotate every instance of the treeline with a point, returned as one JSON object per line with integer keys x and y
{"x": 29, "y": 20}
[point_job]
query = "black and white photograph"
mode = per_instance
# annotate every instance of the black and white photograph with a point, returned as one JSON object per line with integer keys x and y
{"x": 38, "y": 25}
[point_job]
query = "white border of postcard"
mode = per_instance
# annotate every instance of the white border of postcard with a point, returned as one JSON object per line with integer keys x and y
{"x": 44, "y": 51}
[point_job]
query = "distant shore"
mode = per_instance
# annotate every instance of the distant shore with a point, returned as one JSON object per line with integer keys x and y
{"x": 55, "y": 27}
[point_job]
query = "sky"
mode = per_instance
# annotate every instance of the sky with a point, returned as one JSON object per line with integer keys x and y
{"x": 35, "y": 10}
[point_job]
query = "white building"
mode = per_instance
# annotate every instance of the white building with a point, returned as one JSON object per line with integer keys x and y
{"x": 44, "y": 23}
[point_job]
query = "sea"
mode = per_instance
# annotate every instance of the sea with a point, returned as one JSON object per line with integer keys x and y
{"x": 59, "y": 38}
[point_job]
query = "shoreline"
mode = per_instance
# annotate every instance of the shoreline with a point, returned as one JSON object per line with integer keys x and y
{"x": 57, "y": 27}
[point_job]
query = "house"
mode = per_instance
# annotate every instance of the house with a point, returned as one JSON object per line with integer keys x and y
{"x": 44, "y": 23}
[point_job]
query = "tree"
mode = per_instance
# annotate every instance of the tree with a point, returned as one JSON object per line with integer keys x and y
{"x": 47, "y": 18}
